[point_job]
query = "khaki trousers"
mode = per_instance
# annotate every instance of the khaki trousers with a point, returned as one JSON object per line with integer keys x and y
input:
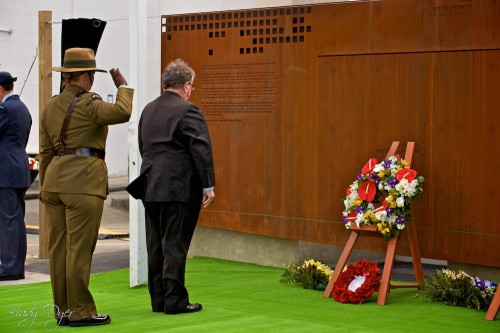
{"x": 73, "y": 221}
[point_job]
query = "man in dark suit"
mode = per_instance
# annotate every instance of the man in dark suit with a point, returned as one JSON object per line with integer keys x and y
{"x": 177, "y": 159}
{"x": 15, "y": 126}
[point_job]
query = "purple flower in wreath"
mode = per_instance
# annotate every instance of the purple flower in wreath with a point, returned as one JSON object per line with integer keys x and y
{"x": 392, "y": 181}
{"x": 359, "y": 210}
{"x": 401, "y": 220}
{"x": 387, "y": 164}
{"x": 373, "y": 177}
{"x": 388, "y": 211}
{"x": 360, "y": 176}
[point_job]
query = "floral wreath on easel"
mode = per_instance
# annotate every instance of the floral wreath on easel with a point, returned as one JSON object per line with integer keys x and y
{"x": 357, "y": 282}
{"x": 391, "y": 177}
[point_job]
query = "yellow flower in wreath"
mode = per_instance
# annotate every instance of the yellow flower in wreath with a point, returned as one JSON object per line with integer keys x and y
{"x": 391, "y": 201}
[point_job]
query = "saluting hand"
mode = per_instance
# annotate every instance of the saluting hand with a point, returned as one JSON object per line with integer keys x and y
{"x": 117, "y": 77}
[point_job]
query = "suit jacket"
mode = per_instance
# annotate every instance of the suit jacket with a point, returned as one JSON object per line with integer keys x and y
{"x": 15, "y": 127}
{"x": 174, "y": 143}
{"x": 88, "y": 128}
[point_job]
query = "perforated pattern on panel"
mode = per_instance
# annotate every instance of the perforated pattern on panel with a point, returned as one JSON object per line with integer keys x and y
{"x": 254, "y": 28}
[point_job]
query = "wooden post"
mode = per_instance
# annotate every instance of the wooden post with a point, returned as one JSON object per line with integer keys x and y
{"x": 44, "y": 93}
{"x": 491, "y": 314}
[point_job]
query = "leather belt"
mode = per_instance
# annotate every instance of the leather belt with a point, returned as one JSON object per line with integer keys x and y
{"x": 92, "y": 152}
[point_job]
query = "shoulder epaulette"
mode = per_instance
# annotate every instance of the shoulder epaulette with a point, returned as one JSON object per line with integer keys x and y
{"x": 96, "y": 96}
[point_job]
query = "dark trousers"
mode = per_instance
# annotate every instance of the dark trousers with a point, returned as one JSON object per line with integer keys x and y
{"x": 13, "y": 243}
{"x": 169, "y": 230}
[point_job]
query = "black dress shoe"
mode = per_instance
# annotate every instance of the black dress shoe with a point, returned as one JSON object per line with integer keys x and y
{"x": 62, "y": 321}
{"x": 91, "y": 321}
{"x": 195, "y": 307}
{"x": 11, "y": 277}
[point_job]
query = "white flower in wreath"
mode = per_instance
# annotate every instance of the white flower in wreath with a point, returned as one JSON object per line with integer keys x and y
{"x": 378, "y": 168}
{"x": 354, "y": 195}
{"x": 349, "y": 201}
{"x": 360, "y": 220}
{"x": 401, "y": 186}
{"x": 400, "y": 201}
{"x": 410, "y": 191}
{"x": 381, "y": 215}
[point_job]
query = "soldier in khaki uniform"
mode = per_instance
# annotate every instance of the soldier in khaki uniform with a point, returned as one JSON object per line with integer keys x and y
{"x": 74, "y": 180}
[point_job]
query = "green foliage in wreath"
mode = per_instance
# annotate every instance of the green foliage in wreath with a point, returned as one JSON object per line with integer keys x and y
{"x": 457, "y": 288}
{"x": 310, "y": 275}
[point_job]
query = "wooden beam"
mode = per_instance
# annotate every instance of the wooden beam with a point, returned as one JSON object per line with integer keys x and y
{"x": 491, "y": 314}
{"x": 44, "y": 93}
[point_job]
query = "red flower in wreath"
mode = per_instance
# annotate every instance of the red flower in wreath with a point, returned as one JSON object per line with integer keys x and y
{"x": 357, "y": 282}
{"x": 369, "y": 166}
{"x": 406, "y": 173}
{"x": 367, "y": 191}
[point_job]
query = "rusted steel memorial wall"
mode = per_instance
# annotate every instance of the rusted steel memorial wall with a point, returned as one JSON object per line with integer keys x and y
{"x": 299, "y": 98}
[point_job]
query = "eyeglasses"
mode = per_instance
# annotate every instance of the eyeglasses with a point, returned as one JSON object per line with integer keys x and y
{"x": 193, "y": 88}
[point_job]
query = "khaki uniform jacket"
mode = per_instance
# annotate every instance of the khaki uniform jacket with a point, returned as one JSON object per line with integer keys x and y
{"x": 88, "y": 128}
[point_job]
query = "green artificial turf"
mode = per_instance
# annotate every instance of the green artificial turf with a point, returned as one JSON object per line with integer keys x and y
{"x": 239, "y": 297}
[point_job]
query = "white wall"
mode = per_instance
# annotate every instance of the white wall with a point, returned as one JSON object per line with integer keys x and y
{"x": 18, "y": 50}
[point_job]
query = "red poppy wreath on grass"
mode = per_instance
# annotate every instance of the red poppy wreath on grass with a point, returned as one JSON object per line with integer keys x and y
{"x": 357, "y": 283}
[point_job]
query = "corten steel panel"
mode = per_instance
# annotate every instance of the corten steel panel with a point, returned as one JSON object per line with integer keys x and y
{"x": 298, "y": 98}
{"x": 238, "y": 59}
{"x": 364, "y": 118}
{"x": 465, "y": 155}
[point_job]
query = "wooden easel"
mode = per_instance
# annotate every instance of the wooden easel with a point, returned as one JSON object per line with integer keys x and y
{"x": 495, "y": 304}
{"x": 385, "y": 285}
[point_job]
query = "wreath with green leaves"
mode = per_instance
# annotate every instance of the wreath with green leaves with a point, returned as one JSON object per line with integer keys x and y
{"x": 390, "y": 184}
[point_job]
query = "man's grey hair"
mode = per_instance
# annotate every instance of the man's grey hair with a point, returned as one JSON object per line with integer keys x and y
{"x": 176, "y": 74}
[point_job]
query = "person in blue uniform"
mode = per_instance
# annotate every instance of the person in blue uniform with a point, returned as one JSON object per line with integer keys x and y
{"x": 15, "y": 127}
